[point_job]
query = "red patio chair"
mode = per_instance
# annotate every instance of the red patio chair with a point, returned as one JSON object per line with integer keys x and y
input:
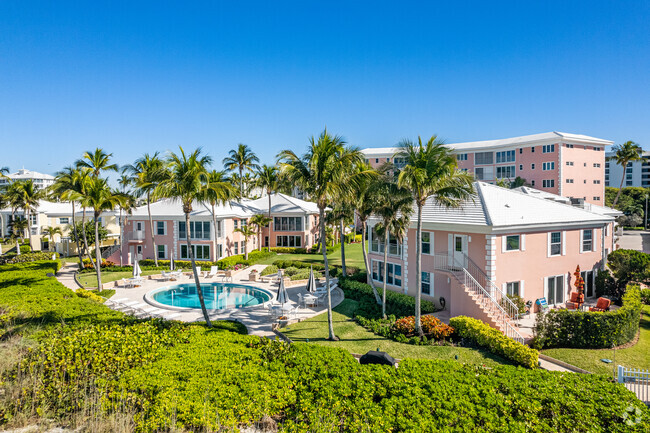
{"x": 602, "y": 304}
{"x": 577, "y": 299}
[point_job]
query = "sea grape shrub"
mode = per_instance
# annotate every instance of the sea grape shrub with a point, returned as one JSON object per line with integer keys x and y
{"x": 432, "y": 327}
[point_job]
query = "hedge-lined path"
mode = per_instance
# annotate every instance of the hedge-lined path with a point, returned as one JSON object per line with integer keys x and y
{"x": 66, "y": 276}
{"x": 257, "y": 319}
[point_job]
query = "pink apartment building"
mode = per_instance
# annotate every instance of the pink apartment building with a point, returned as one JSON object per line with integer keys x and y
{"x": 569, "y": 165}
{"x": 295, "y": 226}
{"x": 500, "y": 242}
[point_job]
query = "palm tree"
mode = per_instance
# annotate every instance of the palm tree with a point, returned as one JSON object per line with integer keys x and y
{"x": 186, "y": 180}
{"x": 394, "y": 207}
{"x": 325, "y": 173}
{"x": 366, "y": 197}
{"x": 218, "y": 190}
{"x": 146, "y": 174}
{"x": 100, "y": 197}
{"x": 624, "y": 154}
{"x": 247, "y": 231}
{"x": 96, "y": 162}
{"x": 66, "y": 187}
{"x": 18, "y": 226}
{"x": 268, "y": 178}
{"x": 430, "y": 171}
{"x": 341, "y": 213}
{"x": 241, "y": 159}
{"x": 124, "y": 181}
{"x": 4, "y": 171}
{"x": 28, "y": 196}
{"x": 260, "y": 221}
{"x": 52, "y": 231}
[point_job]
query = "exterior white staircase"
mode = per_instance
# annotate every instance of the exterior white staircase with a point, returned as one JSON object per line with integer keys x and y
{"x": 500, "y": 310}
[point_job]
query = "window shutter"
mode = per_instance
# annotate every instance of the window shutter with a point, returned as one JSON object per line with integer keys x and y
{"x": 593, "y": 240}
{"x": 432, "y": 279}
{"x": 581, "y": 243}
{"x": 450, "y": 249}
{"x": 523, "y": 242}
{"x": 504, "y": 289}
{"x": 503, "y": 243}
{"x": 521, "y": 288}
{"x": 548, "y": 244}
{"x": 564, "y": 243}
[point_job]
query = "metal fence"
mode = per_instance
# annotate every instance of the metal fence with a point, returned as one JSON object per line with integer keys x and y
{"x": 637, "y": 381}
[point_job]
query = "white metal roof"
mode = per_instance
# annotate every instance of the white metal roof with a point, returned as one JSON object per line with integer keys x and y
{"x": 28, "y": 174}
{"x": 283, "y": 203}
{"x": 601, "y": 210}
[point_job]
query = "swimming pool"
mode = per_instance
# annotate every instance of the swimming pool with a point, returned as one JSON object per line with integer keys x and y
{"x": 217, "y": 296}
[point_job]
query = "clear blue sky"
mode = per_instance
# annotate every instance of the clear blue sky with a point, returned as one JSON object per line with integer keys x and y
{"x": 135, "y": 77}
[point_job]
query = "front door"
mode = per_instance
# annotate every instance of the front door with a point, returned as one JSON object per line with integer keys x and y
{"x": 555, "y": 290}
{"x": 460, "y": 250}
{"x": 588, "y": 276}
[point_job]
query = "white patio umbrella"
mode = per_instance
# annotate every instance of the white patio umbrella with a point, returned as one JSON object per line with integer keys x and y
{"x": 283, "y": 297}
{"x": 136, "y": 269}
{"x": 311, "y": 283}
{"x": 17, "y": 249}
{"x": 172, "y": 265}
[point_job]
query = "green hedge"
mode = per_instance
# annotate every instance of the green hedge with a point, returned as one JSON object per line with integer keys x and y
{"x": 289, "y": 250}
{"x": 590, "y": 330}
{"x": 27, "y": 257}
{"x": 228, "y": 262}
{"x": 645, "y": 296}
{"x": 492, "y": 339}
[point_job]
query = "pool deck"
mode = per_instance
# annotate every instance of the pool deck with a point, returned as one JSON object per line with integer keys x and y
{"x": 257, "y": 319}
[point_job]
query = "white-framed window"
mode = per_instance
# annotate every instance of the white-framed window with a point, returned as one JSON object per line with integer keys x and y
{"x": 548, "y": 183}
{"x": 532, "y": 166}
{"x": 587, "y": 240}
{"x": 288, "y": 241}
{"x": 461, "y": 157}
{"x": 64, "y": 220}
{"x": 505, "y": 172}
{"x": 569, "y": 181}
{"x": 569, "y": 163}
{"x": 505, "y": 156}
{"x": 235, "y": 223}
{"x": 548, "y": 148}
{"x": 548, "y": 166}
{"x": 570, "y": 146}
{"x": 555, "y": 244}
{"x": 243, "y": 246}
{"x": 483, "y": 158}
{"x": 427, "y": 283}
{"x": 484, "y": 173}
{"x": 219, "y": 251}
{"x": 512, "y": 288}
{"x": 32, "y": 219}
{"x": 427, "y": 241}
{"x": 394, "y": 273}
{"x": 287, "y": 224}
{"x": 521, "y": 167}
{"x": 162, "y": 251}
{"x": 199, "y": 230}
{"x": 219, "y": 229}
{"x": 597, "y": 181}
{"x": 512, "y": 243}
{"x": 201, "y": 252}
{"x": 160, "y": 228}
{"x": 377, "y": 244}
{"x": 596, "y": 164}
{"x": 236, "y": 245}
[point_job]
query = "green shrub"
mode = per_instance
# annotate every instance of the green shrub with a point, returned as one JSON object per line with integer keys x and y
{"x": 226, "y": 263}
{"x": 645, "y": 296}
{"x": 351, "y": 237}
{"x": 590, "y": 330}
{"x": 271, "y": 269}
{"x": 492, "y": 339}
{"x": 291, "y": 270}
{"x": 289, "y": 250}
{"x": 629, "y": 265}
{"x": 27, "y": 257}
{"x": 606, "y": 285}
{"x": 83, "y": 293}
{"x": 302, "y": 275}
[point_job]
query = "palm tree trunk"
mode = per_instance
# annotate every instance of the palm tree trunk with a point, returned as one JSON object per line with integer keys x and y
{"x": 28, "y": 229}
{"x": 268, "y": 192}
{"x": 76, "y": 238}
{"x": 153, "y": 239}
{"x": 214, "y": 236}
{"x": 620, "y": 188}
{"x": 343, "y": 270}
{"x": 246, "y": 247}
{"x": 98, "y": 253}
{"x": 121, "y": 237}
{"x": 199, "y": 291}
{"x": 85, "y": 238}
{"x": 418, "y": 272}
{"x": 365, "y": 262}
{"x": 330, "y": 323}
{"x": 241, "y": 183}
{"x": 383, "y": 294}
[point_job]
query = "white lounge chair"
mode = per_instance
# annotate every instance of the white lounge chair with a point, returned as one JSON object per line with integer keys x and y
{"x": 213, "y": 271}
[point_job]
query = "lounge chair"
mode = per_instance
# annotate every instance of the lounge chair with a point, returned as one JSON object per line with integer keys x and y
{"x": 213, "y": 272}
{"x": 576, "y": 301}
{"x": 602, "y": 304}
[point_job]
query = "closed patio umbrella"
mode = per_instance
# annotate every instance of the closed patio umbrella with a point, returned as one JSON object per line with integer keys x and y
{"x": 172, "y": 265}
{"x": 17, "y": 249}
{"x": 311, "y": 283}
{"x": 136, "y": 269}
{"x": 283, "y": 297}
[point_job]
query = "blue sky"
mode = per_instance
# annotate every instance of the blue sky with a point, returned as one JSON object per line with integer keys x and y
{"x": 135, "y": 77}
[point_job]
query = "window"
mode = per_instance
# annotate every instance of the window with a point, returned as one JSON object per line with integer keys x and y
{"x": 288, "y": 241}
{"x": 461, "y": 157}
{"x": 597, "y": 181}
{"x": 521, "y": 167}
{"x": 569, "y": 163}
{"x": 596, "y": 164}
{"x": 548, "y": 166}
{"x": 427, "y": 283}
{"x": 236, "y": 245}
{"x": 287, "y": 224}
{"x": 596, "y": 198}
{"x": 266, "y": 241}
{"x": 532, "y": 166}
{"x": 570, "y": 146}
{"x": 521, "y": 150}
{"x": 484, "y": 173}
{"x": 482, "y": 158}
{"x": 548, "y": 148}
{"x": 548, "y": 183}
{"x": 32, "y": 219}
{"x": 532, "y": 183}
{"x": 505, "y": 156}
{"x": 160, "y": 227}
{"x": 243, "y": 247}
{"x": 201, "y": 252}
{"x": 426, "y": 242}
{"x": 235, "y": 222}
{"x": 555, "y": 246}
{"x": 244, "y": 223}
{"x": 394, "y": 273}
{"x": 587, "y": 240}
{"x": 569, "y": 181}
{"x": 219, "y": 232}
{"x": 199, "y": 230}
{"x": 64, "y": 220}
{"x": 512, "y": 243}
{"x": 596, "y": 148}
{"x": 532, "y": 149}
{"x": 376, "y": 160}
{"x": 162, "y": 251}
{"x": 377, "y": 244}
{"x": 507, "y": 171}
{"x": 512, "y": 289}
{"x": 219, "y": 251}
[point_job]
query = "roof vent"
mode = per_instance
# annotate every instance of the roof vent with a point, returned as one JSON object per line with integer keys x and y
{"x": 578, "y": 201}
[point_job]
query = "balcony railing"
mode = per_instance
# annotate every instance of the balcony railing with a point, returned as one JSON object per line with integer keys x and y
{"x": 135, "y": 236}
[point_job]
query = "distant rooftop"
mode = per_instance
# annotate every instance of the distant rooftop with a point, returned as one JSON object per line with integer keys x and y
{"x": 29, "y": 174}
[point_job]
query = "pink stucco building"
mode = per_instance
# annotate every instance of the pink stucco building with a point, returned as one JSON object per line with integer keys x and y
{"x": 500, "y": 242}
{"x": 570, "y": 165}
{"x": 295, "y": 225}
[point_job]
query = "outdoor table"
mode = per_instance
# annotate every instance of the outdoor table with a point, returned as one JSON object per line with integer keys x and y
{"x": 311, "y": 300}
{"x": 284, "y": 309}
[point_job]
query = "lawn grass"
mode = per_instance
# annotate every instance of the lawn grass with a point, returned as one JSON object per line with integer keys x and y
{"x": 356, "y": 339}
{"x": 637, "y": 356}
{"x": 89, "y": 280}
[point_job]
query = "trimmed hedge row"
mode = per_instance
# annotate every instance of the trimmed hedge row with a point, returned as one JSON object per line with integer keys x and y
{"x": 590, "y": 330}
{"x": 26, "y": 257}
{"x": 226, "y": 263}
{"x": 492, "y": 339}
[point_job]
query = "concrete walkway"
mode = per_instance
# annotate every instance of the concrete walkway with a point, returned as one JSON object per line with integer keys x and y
{"x": 66, "y": 275}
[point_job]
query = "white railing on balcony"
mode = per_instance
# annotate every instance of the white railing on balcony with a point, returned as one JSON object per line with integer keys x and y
{"x": 137, "y": 235}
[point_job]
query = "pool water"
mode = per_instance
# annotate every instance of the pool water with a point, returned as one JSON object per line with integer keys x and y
{"x": 217, "y": 296}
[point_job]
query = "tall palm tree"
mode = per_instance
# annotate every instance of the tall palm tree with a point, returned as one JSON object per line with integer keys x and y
{"x": 100, "y": 197}
{"x": 430, "y": 171}
{"x": 66, "y": 188}
{"x": 247, "y": 231}
{"x": 260, "y": 221}
{"x": 218, "y": 190}
{"x": 18, "y": 226}
{"x": 4, "y": 171}
{"x": 268, "y": 178}
{"x": 28, "y": 195}
{"x": 146, "y": 174}
{"x": 623, "y": 154}
{"x": 188, "y": 174}
{"x": 325, "y": 172}
{"x": 394, "y": 207}
{"x": 96, "y": 162}
{"x": 241, "y": 159}
{"x": 52, "y": 231}
{"x": 124, "y": 181}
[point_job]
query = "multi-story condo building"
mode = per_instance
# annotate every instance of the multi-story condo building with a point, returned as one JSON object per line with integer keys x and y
{"x": 637, "y": 173}
{"x": 41, "y": 180}
{"x": 569, "y": 165}
{"x": 295, "y": 225}
{"x": 500, "y": 242}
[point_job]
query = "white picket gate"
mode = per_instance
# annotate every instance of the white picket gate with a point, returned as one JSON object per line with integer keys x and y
{"x": 637, "y": 381}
